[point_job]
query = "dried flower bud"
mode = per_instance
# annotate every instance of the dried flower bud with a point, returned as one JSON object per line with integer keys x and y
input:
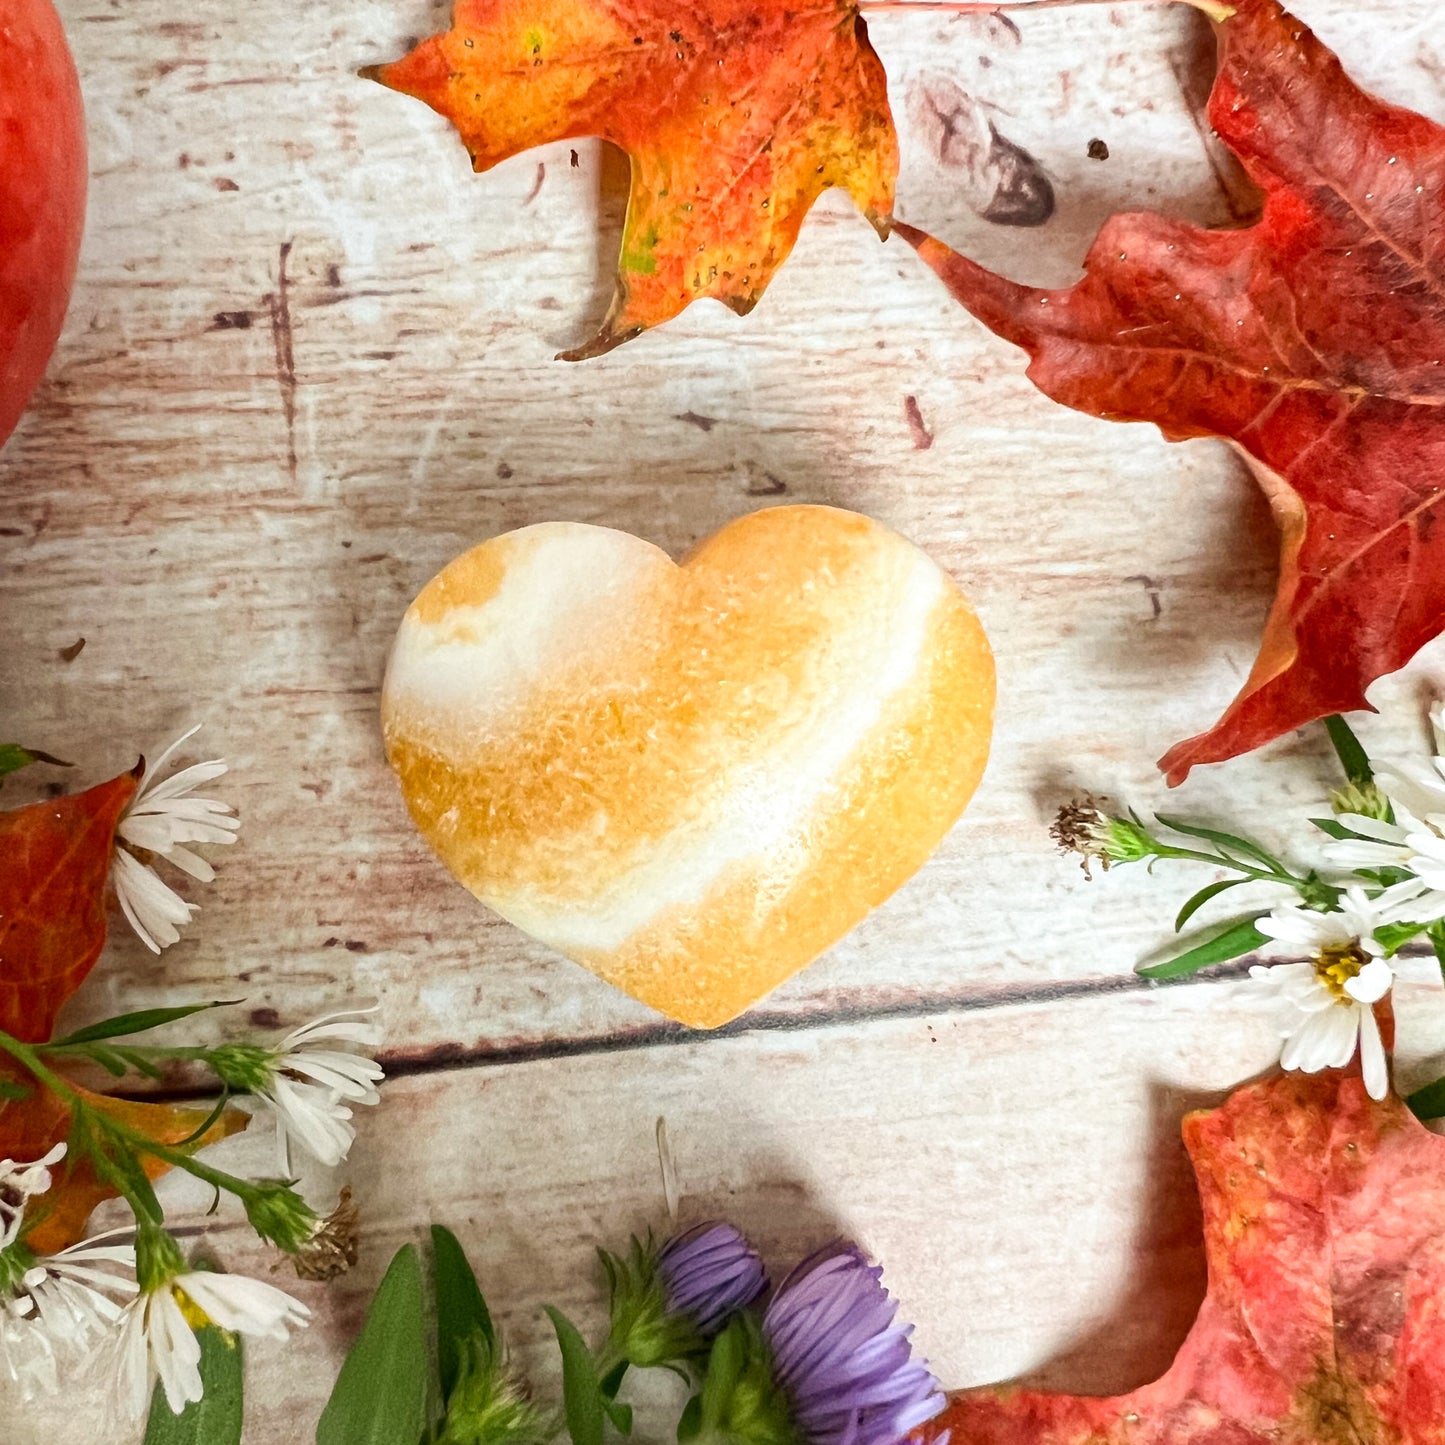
{"x": 1083, "y": 829}
{"x": 332, "y": 1250}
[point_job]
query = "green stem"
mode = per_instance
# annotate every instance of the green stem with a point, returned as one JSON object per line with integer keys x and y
{"x": 1348, "y": 749}
{"x": 28, "y": 1055}
{"x": 193, "y": 1052}
{"x": 1218, "y": 860}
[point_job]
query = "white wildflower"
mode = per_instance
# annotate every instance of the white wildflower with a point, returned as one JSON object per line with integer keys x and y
{"x": 61, "y": 1307}
{"x": 157, "y": 1341}
{"x": 27, "y": 1358}
{"x": 161, "y": 819}
{"x": 1414, "y": 842}
{"x": 70, "y": 1290}
{"x": 1326, "y": 1006}
{"x": 19, "y": 1183}
{"x": 312, "y": 1085}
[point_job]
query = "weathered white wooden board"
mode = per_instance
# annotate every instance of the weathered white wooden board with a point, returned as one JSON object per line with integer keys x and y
{"x": 309, "y": 359}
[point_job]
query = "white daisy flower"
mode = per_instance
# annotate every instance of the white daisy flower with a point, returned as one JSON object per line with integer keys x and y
{"x": 61, "y": 1308}
{"x": 157, "y": 1341}
{"x": 70, "y": 1291}
{"x": 19, "y": 1183}
{"x": 311, "y": 1085}
{"x": 159, "y": 821}
{"x": 1415, "y": 841}
{"x": 27, "y": 1358}
{"x": 1326, "y": 1006}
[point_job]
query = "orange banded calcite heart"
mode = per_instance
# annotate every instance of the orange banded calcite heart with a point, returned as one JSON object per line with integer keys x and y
{"x": 691, "y": 779}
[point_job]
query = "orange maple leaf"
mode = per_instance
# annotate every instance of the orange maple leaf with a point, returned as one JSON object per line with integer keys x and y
{"x": 1313, "y": 340}
{"x": 736, "y": 115}
{"x": 1324, "y": 1228}
{"x": 29, "y": 1126}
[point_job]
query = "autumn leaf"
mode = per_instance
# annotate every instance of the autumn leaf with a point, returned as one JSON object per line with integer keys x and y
{"x": 30, "y": 1124}
{"x": 1324, "y": 1228}
{"x": 1313, "y": 340}
{"x": 56, "y": 860}
{"x": 735, "y": 114}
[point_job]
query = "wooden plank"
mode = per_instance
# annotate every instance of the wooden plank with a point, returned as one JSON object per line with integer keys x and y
{"x": 309, "y": 360}
{"x": 1018, "y": 1172}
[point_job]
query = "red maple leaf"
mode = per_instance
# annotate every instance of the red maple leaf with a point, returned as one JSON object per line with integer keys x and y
{"x": 735, "y": 114}
{"x": 1313, "y": 340}
{"x": 1324, "y": 1228}
{"x": 53, "y": 901}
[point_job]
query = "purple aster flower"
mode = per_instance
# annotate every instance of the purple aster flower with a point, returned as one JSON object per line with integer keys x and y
{"x": 709, "y": 1273}
{"x": 843, "y": 1363}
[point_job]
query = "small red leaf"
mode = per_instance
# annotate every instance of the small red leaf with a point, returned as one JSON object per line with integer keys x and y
{"x": 1314, "y": 340}
{"x": 54, "y": 862}
{"x": 1324, "y": 1227}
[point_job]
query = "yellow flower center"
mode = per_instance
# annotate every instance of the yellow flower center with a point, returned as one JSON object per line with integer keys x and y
{"x": 196, "y": 1317}
{"x": 1337, "y": 965}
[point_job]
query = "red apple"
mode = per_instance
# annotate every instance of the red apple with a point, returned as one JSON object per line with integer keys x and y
{"x": 42, "y": 194}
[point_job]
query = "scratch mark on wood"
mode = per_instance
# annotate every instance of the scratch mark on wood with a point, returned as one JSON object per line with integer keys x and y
{"x": 1153, "y": 587}
{"x": 697, "y": 419}
{"x": 278, "y": 304}
{"x": 766, "y": 485}
{"x": 922, "y": 437}
{"x": 536, "y": 184}
{"x": 69, "y": 654}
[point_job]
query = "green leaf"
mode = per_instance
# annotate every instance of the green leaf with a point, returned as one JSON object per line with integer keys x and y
{"x": 689, "y": 1426}
{"x": 382, "y": 1393}
{"x": 13, "y": 757}
{"x": 581, "y": 1389}
{"x": 1353, "y": 758}
{"x": 1335, "y": 829}
{"x": 461, "y": 1310}
{"x": 109, "y": 1060}
{"x": 1213, "y": 890}
{"x": 1234, "y": 939}
{"x": 620, "y": 1415}
{"x": 1394, "y": 936}
{"x": 205, "y": 1127}
{"x": 1429, "y": 1102}
{"x": 143, "y": 1020}
{"x": 1436, "y": 934}
{"x": 10, "y": 1089}
{"x": 215, "y": 1419}
{"x": 725, "y": 1363}
{"x": 1227, "y": 841}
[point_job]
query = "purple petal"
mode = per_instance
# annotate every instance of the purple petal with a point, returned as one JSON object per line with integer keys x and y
{"x": 709, "y": 1273}
{"x": 840, "y": 1356}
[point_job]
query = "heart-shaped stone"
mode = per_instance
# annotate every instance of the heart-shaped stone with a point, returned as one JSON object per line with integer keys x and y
{"x": 691, "y": 779}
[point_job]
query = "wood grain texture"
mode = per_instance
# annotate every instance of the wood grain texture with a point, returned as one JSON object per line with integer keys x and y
{"x": 309, "y": 361}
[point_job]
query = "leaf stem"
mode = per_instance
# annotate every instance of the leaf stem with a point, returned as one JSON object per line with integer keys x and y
{"x": 1263, "y": 875}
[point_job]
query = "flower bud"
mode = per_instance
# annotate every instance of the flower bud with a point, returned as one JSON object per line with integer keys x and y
{"x": 668, "y": 1303}
{"x": 281, "y": 1216}
{"x": 1366, "y": 799}
{"x": 487, "y": 1406}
